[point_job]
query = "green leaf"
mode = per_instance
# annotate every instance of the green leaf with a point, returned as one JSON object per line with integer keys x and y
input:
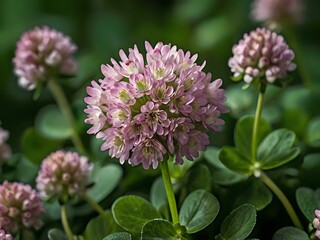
{"x": 220, "y": 173}
{"x": 198, "y": 210}
{"x": 290, "y": 233}
{"x": 313, "y": 132}
{"x": 233, "y": 159}
{"x": 105, "y": 180}
{"x": 178, "y": 171}
{"x": 276, "y": 149}
{"x": 158, "y": 196}
{"x": 132, "y": 212}
{"x": 308, "y": 201}
{"x": 243, "y": 134}
{"x": 255, "y": 193}
{"x": 51, "y": 123}
{"x": 56, "y": 234}
{"x": 32, "y": 140}
{"x": 239, "y": 223}
{"x": 160, "y": 229}
{"x": 239, "y": 101}
{"x": 199, "y": 178}
{"x": 118, "y": 236}
{"x": 101, "y": 226}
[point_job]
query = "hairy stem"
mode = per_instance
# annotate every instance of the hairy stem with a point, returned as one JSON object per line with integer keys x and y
{"x": 93, "y": 203}
{"x": 66, "y": 110}
{"x": 283, "y": 199}
{"x": 256, "y": 125}
{"x": 65, "y": 222}
{"x": 169, "y": 190}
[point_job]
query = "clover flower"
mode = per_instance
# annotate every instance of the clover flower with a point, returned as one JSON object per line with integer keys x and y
{"x": 277, "y": 11}
{"x": 5, "y": 150}
{"x": 4, "y": 235}
{"x": 43, "y": 53}
{"x": 261, "y": 55}
{"x": 63, "y": 174}
{"x": 20, "y": 207}
{"x": 146, "y": 108}
{"x": 316, "y": 223}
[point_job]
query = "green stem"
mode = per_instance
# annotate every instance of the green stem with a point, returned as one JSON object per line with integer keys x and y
{"x": 65, "y": 223}
{"x": 256, "y": 124}
{"x": 93, "y": 203}
{"x": 169, "y": 190}
{"x": 283, "y": 199}
{"x": 66, "y": 110}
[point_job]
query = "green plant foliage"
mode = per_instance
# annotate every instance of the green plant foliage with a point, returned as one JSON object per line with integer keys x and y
{"x": 276, "y": 149}
{"x": 101, "y": 226}
{"x": 118, "y": 236}
{"x": 243, "y": 134}
{"x": 255, "y": 192}
{"x": 199, "y": 177}
{"x": 198, "y": 210}
{"x": 132, "y": 212}
{"x": 235, "y": 160}
{"x": 31, "y": 140}
{"x": 105, "y": 179}
{"x": 161, "y": 229}
{"x": 51, "y": 123}
{"x": 290, "y": 233}
{"x": 308, "y": 201}
{"x": 56, "y": 234}
{"x": 220, "y": 173}
{"x": 158, "y": 195}
{"x": 238, "y": 224}
{"x": 312, "y": 136}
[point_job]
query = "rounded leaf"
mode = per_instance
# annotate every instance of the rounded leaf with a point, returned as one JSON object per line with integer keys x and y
{"x": 101, "y": 226}
{"x": 118, "y": 236}
{"x": 51, "y": 123}
{"x": 308, "y": 201}
{"x": 233, "y": 159}
{"x": 158, "y": 196}
{"x": 132, "y": 212}
{"x": 56, "y": 234}
{"x": 290, "y": 233}
{"x": 313, "y": 132}
{"x": 239, "y": 223}
{"x": 158, "y": 229}
{"x": 198, "y": 210}
{"x": 105, "y": 180}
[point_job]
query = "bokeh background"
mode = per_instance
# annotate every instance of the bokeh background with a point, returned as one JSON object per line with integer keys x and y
{"x": 100, "y": 28}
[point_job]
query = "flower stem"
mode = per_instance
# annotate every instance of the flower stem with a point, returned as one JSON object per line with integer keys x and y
{"x": 65, "y": 223}
{"x": 169, "y": 190}
{"x": 256, "y": 124}
{"x": 66, "y": 110}
{"x": 93, "y": 203}
{"x": 283, "y": 199}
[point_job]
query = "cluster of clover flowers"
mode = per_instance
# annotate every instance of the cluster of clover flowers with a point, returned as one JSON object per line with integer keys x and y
{"x": 144, "y": 110}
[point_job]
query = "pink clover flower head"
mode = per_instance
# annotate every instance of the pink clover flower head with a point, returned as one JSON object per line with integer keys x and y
{"x": 277, "y": 11}
{"x": 63, "y": 174}
{"x": 147, "y": 107}
{"x": 262, "y": 55}
{"x": 43, "y": 53}
{"x": 4, "y": 235}
{"x": 20, "y": 207}
{"x": 316, "y": 223}
{"x": 5, "y": 150}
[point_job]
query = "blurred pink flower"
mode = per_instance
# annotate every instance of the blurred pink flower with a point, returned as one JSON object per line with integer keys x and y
{"x": 20, "y": 206}
{"x": 261, "y": 55}
{"x": 5, "y": 150}
{"x": 145, "y": 108}
{"x": 277, "y": 11}
{"x": 4, "y": 235}
{"x": 43, "y": 53}
{"x": 63, "y": 174}
{"x": 316, "y": 223}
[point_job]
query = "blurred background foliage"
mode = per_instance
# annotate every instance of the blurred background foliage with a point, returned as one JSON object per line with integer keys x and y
{"x": 100, "y": 28}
